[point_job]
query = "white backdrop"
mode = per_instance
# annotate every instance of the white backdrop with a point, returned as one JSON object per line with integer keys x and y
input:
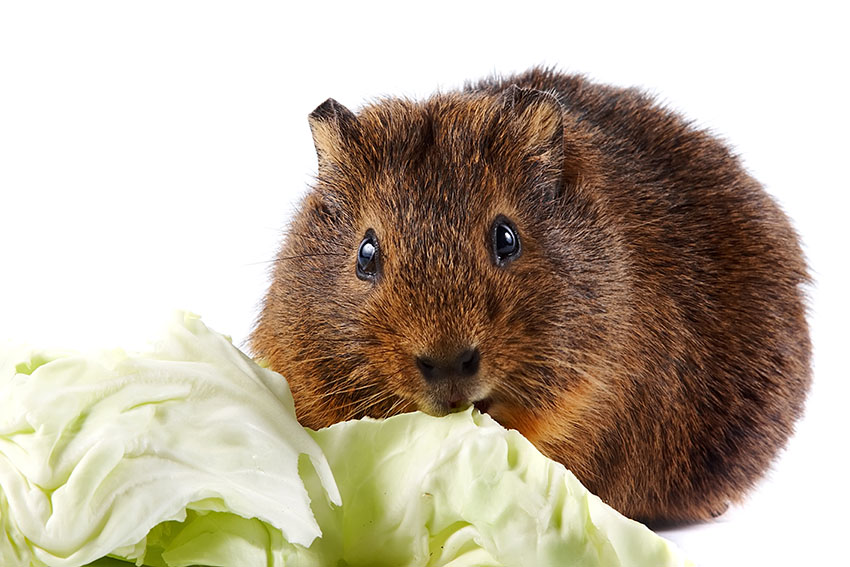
{"x": 151, "y": 153}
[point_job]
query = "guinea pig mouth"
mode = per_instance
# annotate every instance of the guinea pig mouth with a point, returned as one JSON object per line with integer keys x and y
{"x": 439, "y": 409}
{"x": 448, "y": 398}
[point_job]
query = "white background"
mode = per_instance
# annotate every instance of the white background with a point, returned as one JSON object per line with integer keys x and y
{"x": 150, "y": 154}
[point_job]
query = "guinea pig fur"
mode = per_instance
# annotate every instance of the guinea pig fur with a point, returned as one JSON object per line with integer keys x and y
{"x": 574, "y": 259}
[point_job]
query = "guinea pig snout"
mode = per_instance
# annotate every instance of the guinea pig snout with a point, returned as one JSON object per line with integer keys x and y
{"x": 457, "y": 365}
{"x": 451, "y": 380}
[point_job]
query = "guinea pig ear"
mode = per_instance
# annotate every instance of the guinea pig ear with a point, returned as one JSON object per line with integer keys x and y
{"x": 538, "y": 116}
{"x": 333, "y": 127}
{"x": 536, "y": 120}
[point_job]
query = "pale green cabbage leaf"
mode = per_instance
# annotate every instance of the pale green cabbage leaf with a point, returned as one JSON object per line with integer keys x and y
{"x": 95, "y": 451}
{"x": 191, "y": 455}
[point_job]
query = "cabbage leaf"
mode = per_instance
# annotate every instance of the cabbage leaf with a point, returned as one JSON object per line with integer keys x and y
{"x": 191, "y": 455}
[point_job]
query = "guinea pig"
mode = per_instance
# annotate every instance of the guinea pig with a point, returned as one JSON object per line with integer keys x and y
{"x": 575, "y": 260}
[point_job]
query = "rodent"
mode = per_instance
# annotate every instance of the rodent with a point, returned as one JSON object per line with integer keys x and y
{"x": 574, "y": 259}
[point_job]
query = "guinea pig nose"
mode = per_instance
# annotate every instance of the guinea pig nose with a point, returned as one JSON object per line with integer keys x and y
{"x": 464, "y": 363}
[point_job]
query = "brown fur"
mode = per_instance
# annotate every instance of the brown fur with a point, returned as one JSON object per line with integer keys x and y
{"x": 651, "y": 335}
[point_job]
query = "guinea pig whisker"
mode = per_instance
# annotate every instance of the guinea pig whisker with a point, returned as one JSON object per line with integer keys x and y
{"x": 295, "y": 257}
{"x": 302, "y": 256}
{"x": 393, "y": 408}
{"x": 366, "y": 404}
{"x": 348, "y": 389}
{"x": 377, "y": 325}
{"x": 324, "y": 358}
{"x": 368, "y": 400}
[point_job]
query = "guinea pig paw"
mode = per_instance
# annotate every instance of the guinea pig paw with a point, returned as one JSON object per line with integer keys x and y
{"x": 720, "y": 510}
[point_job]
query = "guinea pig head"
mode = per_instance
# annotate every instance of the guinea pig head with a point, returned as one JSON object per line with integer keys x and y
{"x": 446, "y": 255}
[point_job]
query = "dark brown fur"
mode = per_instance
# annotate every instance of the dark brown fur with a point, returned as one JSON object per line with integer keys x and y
{"x": 651, "y": 335}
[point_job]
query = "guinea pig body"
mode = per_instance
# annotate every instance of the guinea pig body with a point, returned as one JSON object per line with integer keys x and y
{"x": 572, "y": 258}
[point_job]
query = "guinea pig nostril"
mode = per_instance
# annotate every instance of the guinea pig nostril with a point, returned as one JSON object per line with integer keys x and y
{"x": 469, "y": 362}
{"x": 426, "y": 367}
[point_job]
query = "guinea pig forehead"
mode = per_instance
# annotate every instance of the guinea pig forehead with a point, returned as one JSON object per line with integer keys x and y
{"x": 410, "y": 216}
{"x": 418, "y": 210}
{"x": 401, "y": 132}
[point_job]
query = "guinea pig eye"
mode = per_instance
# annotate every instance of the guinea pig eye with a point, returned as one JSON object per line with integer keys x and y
{"x": 367, "y": 257}
{"x": 506, "y": 246}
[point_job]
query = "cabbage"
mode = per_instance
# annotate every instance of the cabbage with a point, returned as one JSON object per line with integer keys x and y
{"x": 191, "y": 455}
{"x": 462, "y": 491}
{"x": 96, "y": 451}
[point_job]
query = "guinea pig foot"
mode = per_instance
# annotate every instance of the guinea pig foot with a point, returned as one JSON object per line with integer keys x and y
{"x": 720, "y": 510}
